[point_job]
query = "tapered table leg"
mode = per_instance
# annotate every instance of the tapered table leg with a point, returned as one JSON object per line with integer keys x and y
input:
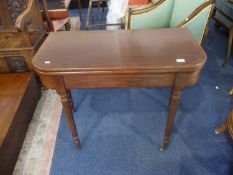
{"x": 71, "y": 100}
{"x": 66, "y": 102}
{"x": 173, "y": 104}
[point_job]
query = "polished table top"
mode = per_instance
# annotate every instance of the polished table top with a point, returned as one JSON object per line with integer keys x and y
{"x": 120, "y": 51}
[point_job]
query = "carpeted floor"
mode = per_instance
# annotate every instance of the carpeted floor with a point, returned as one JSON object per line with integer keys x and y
{"x": 121, "y": 130}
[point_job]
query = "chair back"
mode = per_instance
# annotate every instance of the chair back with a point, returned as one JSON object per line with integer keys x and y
{"x": 193, "y": 15}
{"x": 182, "y": 9}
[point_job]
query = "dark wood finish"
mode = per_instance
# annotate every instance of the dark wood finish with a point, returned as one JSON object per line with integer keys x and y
{"x": 133, "y": 58}
{"x": 19, "y": 94}
{"x": 21, "y": 33}
{"x": 5, "y": 19}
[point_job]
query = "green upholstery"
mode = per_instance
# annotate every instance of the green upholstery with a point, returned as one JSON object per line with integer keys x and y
{"x": 182, "y": 9}
{"x": 171, "y": 13}
{"x": 155, "y": 18}
{"x": 198, "y": 24}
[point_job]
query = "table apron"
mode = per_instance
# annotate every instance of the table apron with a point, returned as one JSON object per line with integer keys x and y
{"x": 119, "y": 80}
{"x": 73, "y": 81}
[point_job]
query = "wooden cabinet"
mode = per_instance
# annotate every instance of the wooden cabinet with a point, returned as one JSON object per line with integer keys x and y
{"x": 21, "y": 34}
{"x": 17, "y": 108}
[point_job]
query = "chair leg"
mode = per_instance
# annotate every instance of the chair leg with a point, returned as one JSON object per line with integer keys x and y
{"x": 222, "y": 128}
{"x": 80, "y": 9}
{"x": 217, "y": 25}
{"x": 91, "y": 14}
{"x": 229, "y": 47}
{"x": 99, "y": 8}
{"x": 67, "y": 26}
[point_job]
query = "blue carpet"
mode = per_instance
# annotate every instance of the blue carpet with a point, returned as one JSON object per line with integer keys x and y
{"x": 121, "y": 130}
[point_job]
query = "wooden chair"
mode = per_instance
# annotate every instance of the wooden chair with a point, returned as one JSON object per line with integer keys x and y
{"x": 56, "y": 14}
{"x": 21, "y": 34}
{"x": 193, "y": 15}
{"x": 228, "y": 125}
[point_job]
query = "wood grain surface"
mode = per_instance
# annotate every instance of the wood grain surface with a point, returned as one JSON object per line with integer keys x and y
{"x": 19, "y": 94}
{"x": 86, "y": 51}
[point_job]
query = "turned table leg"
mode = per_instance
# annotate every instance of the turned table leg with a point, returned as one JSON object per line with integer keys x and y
{"x": 66, "y": 102}
{"x": 173, "y": 104}
{"x": 67, "y": 106}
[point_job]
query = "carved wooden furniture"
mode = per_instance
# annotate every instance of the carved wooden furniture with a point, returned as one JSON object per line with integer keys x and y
{"x": 21, "y": 33}
{"x": 121, "y": 58}
{"x": 193, "y": 15}
{"x": 19, "y": 94}
{"x": 56, "y": 14}
{"x": 224, "y": 16}
{"x": 228, "y": 125}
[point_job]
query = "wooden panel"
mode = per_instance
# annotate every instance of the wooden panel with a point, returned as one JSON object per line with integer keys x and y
{"x": 16, "y": 52}
{"x": 15, "y": 16}
{"x": 3, "y": 66}
{"x": 114, "y": 81}
{"x": 193, "y": 78}
{"x": 19, "y": 94}
{"x": 5, "y": 19}
{"x": 10, "y": 41}
{"x": 10, "y": 98}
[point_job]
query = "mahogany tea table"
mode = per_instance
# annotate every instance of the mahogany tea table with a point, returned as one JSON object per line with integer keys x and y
{"x": 120, "y": 59}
